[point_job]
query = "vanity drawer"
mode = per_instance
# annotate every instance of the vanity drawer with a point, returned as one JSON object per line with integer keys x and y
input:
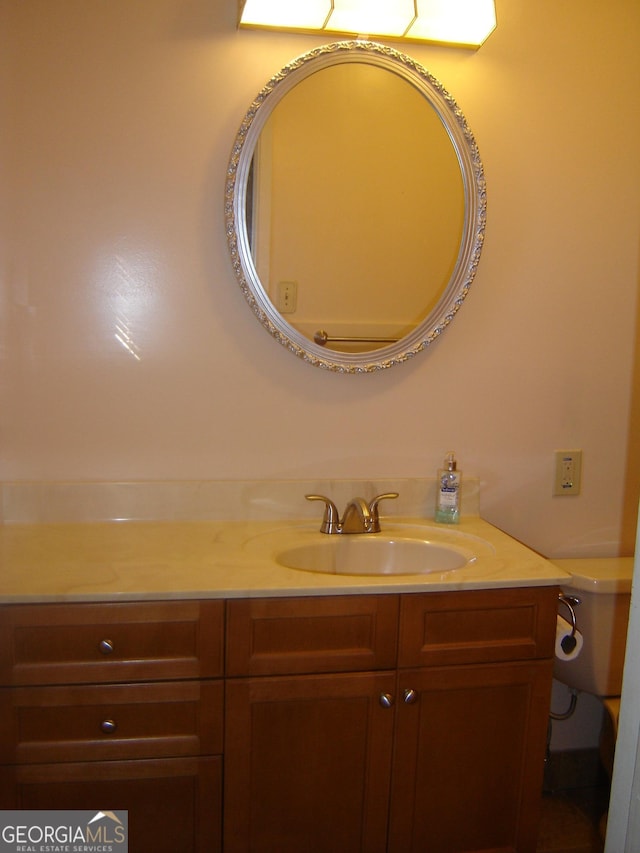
{"x": 84, "y": 643}
{"x": 477, "y": 626}
{"x": 114, "y": 722}
{"x": 274, "y": 636}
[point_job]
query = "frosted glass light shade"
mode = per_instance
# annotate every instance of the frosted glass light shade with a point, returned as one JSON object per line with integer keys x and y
{"x": 458, "y": 22}
{"x": 372, "y": 17}
{"x": 468, "y": 22}
{"x": 285, "y": 14}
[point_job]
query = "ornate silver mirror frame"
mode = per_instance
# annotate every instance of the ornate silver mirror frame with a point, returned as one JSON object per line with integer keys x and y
{"x": 474, "y": 190}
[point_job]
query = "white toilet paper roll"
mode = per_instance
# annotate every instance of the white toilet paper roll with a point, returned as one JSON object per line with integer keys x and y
{"x": 566, "y": 649}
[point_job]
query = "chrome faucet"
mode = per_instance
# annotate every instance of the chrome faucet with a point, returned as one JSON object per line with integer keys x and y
{"x": 358, "y": 517}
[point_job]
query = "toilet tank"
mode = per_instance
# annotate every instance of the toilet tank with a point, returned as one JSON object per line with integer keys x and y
{"x": 603, "y": 586}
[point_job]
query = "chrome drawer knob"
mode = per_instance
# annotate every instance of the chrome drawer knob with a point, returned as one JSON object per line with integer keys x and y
{"x": 410, "y": 696}
{"x": 386, "y": 700}
{"x": 106, "y": 647}
{"x": 108, "y": 726}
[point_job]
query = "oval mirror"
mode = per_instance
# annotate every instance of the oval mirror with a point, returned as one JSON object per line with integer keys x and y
{"x": 355, "y": 207}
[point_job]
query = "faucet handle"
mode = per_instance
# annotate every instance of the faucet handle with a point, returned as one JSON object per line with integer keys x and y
{"x": 331, "y": 519}
{"x": 373, "y": 509}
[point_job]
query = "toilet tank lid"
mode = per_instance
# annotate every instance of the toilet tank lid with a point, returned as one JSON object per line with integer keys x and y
{"x": 598, "y": 574}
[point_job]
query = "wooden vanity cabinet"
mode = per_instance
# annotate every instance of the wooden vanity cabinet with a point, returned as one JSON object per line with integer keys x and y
{"x": 371, "y": 723}
{"x": 116, "y": 706}
{"x": 440, "y": 750}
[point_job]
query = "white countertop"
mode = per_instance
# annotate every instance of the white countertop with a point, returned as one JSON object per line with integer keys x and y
{"x": 151, "y": 560}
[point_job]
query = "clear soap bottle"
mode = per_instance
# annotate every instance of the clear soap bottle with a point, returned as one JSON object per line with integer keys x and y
{"x": 448, "y": 491}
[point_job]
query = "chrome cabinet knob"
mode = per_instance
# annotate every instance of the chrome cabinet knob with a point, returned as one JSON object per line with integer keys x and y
{"x": 106, "y": 647}
{"x": 108, "y": 726}
{"x": 410, "y": 696}
{"x": 386, "y": 700}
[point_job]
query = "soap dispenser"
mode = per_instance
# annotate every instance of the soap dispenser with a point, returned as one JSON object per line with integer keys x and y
{"x": 448, "y": 491}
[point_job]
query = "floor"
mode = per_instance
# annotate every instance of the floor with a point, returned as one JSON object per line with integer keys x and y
{"x": 570, "y": 822}
{"x": 574, "y": 803}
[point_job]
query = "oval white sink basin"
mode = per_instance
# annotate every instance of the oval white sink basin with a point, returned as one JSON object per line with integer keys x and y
{"x": 373, "y": 555}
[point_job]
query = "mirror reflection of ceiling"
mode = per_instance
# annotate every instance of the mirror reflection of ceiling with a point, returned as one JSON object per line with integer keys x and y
{"x": 359, "y": 201}
{"x": 355, "y": 207}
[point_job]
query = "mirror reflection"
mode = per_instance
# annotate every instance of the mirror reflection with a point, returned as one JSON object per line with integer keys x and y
{"x": 355, "y": 207}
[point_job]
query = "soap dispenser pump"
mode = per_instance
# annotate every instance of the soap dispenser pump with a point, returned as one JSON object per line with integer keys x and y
{"x": 448, "y": 491}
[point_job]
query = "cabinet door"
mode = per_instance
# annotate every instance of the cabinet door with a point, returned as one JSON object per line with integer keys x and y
{"x": 173, "y": 804}
{"x": 308, "y": 763}
{"x": 469, "y": 759}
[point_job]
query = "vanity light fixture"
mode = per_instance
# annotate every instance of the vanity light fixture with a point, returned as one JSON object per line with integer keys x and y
{"x": 465, "y": 23}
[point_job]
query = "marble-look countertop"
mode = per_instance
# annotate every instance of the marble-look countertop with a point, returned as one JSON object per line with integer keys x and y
{"x": 151, "y": 560}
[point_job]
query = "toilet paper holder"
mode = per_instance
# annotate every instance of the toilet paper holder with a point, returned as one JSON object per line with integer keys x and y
{"x": 571, "y": 602}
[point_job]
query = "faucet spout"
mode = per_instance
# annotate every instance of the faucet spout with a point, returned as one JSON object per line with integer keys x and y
{"x": 357, "y": 518}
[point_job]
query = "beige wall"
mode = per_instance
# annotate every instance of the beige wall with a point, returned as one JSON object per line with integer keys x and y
{"x": 129, "y": 352}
